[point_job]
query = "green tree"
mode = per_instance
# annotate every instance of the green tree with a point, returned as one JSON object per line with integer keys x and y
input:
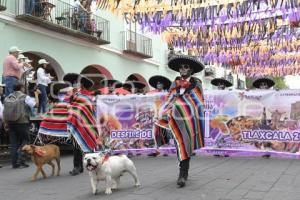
{"x": 280, "y": 83}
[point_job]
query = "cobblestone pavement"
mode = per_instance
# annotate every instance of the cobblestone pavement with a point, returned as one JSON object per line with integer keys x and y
{"x": 210, "y": 179}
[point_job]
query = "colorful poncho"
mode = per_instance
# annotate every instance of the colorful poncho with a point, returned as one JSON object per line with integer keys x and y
{"x": 183, "y": 115}
{"x": 73, "y": 121}
{"x": 54, "y": 124}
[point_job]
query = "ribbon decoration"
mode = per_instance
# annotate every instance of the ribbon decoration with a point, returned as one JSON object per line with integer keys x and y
{"x": 253, "y": 37}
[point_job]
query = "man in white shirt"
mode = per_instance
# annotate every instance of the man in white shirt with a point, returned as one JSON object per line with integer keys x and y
{"x": 42, "y": 82}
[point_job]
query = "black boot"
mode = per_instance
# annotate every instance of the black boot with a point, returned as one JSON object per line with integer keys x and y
{"x": 181, "y": 180}
{"x": 74, "y": 171}
{"x": 185, "y": 166}
{"x": 183, "y": 172}
{"x": 77, "y": 162}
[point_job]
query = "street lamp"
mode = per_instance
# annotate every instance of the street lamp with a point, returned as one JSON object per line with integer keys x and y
{"x": 3, "y": 5}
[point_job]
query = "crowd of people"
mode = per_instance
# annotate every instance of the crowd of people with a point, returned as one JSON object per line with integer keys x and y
{"x": 80, "y": 13}
{"x": 76, "y": 100}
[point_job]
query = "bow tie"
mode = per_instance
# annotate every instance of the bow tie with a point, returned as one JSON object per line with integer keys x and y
{"x": 182, "y": 83}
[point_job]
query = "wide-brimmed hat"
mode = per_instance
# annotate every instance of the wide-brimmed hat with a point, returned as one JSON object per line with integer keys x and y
{"x": 56, "y": 87}
{"x": 71, "y": 77}
{"x": 268, "y": 81}
{"x": 222, "y": 81}
{"x": 134, "y": 84}
{"x": 86, "y": 82}
{"x": 111, "y": 83}
{"x": 175, "y": 62}
{"x": 74, "y": 78}
{"x": 42, "y": 61}
{"x": 165, "y": 81}
{"x": 14, "y": 49}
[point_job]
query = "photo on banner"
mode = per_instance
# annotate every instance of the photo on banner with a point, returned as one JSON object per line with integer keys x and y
{"x": 127, "y": 122}
{"x": 252, "y": 123}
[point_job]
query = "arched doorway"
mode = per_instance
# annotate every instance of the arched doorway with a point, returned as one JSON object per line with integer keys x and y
{"x": 138, "y": 77}
{"x": 54, "y": 68}
{"x": 96, "y": 73}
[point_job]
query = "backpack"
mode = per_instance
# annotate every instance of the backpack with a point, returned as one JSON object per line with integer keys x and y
{"x": 14, "y": 107}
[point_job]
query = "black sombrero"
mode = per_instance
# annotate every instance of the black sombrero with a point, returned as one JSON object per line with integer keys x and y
{"x": 218, "y": 81}
{"x": 134, "y": 84}
{"x": 71, "y": 77}
{"x": 175, "y": 62}
{"x": 268, "y": 81}
{"x": 110, "y": 83}
{"x": 165, "y": 81}
{"x": 56, "y": 87}
{"x": 86, "y": 82}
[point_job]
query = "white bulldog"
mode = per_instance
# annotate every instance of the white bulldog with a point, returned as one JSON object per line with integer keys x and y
{"x": 110, "y": 169}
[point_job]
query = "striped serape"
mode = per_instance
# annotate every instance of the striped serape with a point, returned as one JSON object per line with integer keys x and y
{"x": 54, "y": 124}
{"x": 183, "y": 115}
{"x": 81, "y": 121}
{"x": 72, "y": 122}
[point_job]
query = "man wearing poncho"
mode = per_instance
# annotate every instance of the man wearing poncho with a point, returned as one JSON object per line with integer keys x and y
{"x": 183, "y": 113}
{"x": 74, "y": 120}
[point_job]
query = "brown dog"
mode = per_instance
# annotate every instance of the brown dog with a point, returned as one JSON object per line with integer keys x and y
{"x": 41, "y": 155}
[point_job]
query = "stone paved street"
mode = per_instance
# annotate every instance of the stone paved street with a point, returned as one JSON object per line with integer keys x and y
{"x": 210, "y": 179}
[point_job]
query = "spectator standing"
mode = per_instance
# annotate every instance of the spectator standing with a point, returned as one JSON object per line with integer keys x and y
{"x": 18, "y": 123}
{"x": 83, "y": 15}
{"x": 1, "y": 117}
{"x": 42, "y": 82}
{"x": 12, "y": 70}
{"x": 29, "y": 6}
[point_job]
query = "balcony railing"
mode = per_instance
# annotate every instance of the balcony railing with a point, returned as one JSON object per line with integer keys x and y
{"x": 137, "y": 44}
{"x": 3, "y": 5}
{"x": 64, "y": 18}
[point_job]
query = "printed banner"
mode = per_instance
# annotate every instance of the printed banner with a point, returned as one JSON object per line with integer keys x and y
{"x": 127, "y": 122}
{"x": 242, "y": 123}
{"x": 250, "y": 123}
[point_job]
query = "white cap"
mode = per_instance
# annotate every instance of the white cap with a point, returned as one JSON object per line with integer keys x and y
{"x": 27, "y": 60}
{"x": 14, "y": 49}
{"x": 43, "y": 61}
{"x": 21, "y": 56}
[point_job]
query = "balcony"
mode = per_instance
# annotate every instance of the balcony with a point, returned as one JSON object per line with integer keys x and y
{"x": 64, "y": 18}
{"x": 2, "y": 5}
{"x": 137, "y": 44}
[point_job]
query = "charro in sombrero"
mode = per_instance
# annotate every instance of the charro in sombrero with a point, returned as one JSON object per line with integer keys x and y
{"x": 111, "y": 83}
{"x": 75, "y": 78}
{"x": 165, "y": 81}
{"x": 263, "y": 81}
{"x": 86, "y": 82}
{"x": 71, "y": 77}
{"x": 176, "y": 61}
{"x": 56, "y": 87}
{"x": 134, "y": 84}
{"x": 221, "y": 81}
